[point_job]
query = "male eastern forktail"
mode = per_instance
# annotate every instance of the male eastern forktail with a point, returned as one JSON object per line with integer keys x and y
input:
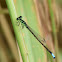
{"x": 29, "y": 28}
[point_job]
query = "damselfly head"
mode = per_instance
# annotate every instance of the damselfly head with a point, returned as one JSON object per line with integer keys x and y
{"x": 19, "y": 18}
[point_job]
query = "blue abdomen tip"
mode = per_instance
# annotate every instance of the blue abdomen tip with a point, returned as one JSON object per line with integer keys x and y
{"x": 53, "y": 55}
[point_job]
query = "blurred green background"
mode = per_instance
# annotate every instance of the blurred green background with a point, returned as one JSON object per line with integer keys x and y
{"x": 17, "y": 44}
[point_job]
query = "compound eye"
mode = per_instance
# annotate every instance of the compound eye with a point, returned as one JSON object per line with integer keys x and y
{"x": 20, "y": 17}
{"x": 17, "y": 19}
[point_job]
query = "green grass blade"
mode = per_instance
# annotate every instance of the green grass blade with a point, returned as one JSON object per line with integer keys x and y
{"x": 31, "y": 50}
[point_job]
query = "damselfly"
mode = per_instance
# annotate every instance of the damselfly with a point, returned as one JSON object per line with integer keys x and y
{"x": 29, "y": 28}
